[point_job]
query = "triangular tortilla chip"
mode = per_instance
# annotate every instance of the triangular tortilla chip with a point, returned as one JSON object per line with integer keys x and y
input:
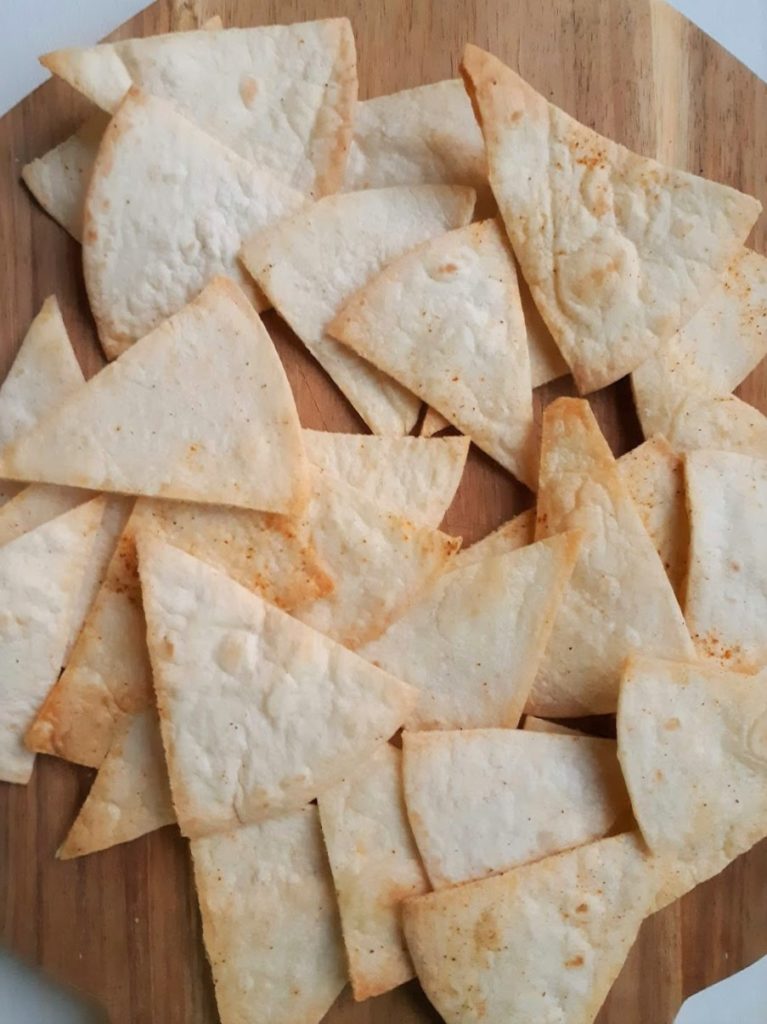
{"x": 312, "y": 262}
{"x": 654, "y": 477}
{"x": 482, "y": 801}
{"x": 619, "y": 598}
{"x": 130, "y": 796}
{"x": 200, "y": 410}
{"x": 375, "y": 866}
{"x": 726, "y": 598}
{"x": 546, "y": 361}
{"x": 411, "y": 476}
{"x": 446, "y": 321}
{"x": 471, "y": 643}
{"x": 281, "y": 96}
{"x": 39, "y": 576}
{"x": 723, "y": 422}
{"x": 515, "y": 533}
{"x": 714, "y": 351}
{"x": 258, "y": 712}
{"x": 433, "y": 422}
{"x": 619, "y": 250}
{"x": 167, "y": 209}
{"x": 692, "y": 742}
{"x": 533, "y": 724}
{"x": 541, "y": 943}
{"x": 270, "y": 921}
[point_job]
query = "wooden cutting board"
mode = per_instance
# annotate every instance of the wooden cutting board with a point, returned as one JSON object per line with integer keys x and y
{"x": 123, "y": 925}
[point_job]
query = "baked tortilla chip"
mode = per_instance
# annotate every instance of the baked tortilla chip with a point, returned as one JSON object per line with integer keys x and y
{"x": 446, "y": 321}
{"x": 281, "y": 96}
{"x": 375, "y": 866}
{"x": 533, "y": 724}
{"x": 619, "y": 250}
{"x": 269, "y": 921}
{"x": 471, "y": 643}
{"x": 311, "y": 263}
{"x": 433, "y": 422}
{"x": 723, "y": 422}
{"x": 511, "y": 535}
{"x": 411, "y": 476}
{"x": 726, "y": 598}
{"x": 692, "y": 742}
{"x": 167, "y": 210}
{"x": 258, "y": 712}
{"x": 482, "y": 801}
{"x": 713, "y": 352}
{"x": 199, "y": 410}
{"x": 543, "y": 942}
{"x": 130, "y": 796}
{"x": 546, "y": 361}
{"x": 619, "y": 598}
{"x": 39, "y": 577}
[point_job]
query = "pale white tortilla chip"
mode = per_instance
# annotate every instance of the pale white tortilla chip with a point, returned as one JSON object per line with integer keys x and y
{"x": 39, "y": 576}
{"x": 130, "y": 796}
{"x": 482, "y": 801}
{"x": 692, "y": 742}
{"x": 310, "y": 264}
{"x": 619, "y": 598}
{"x": 167, "y": 209}
{"x": 375, "y": 866}
{"x": 619, "y": 250}
{"x": 515, "y": 533}
{"x": 714, "y": 351}
{"x": 540, "y": 943}
{"x": 546, "y": 361}
{"x": 533, "y": 724}
{"x": 723, "y": 422}
{"x": 412, "y": 476}
{"x": 281, "y": 96}
{"x": 258, "y": 712}
{"x": 471, "y": 643}
{"x": 199, "y": 410}
{"x": 726, "y": 597}
{"x": 270, "y": 921}
{"x": 446, "y": 321}
{"x": 433, "y": 422}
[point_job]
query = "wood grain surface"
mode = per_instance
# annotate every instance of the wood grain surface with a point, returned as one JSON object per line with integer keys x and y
{"x": 123, "y": 925}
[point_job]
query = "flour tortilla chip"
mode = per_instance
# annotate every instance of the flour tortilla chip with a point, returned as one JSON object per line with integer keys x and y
{"x": 39, "y": 575}
{"x": 533, "y": 724}
{"x": 543, "y": 942}
{"x": 726, "y": 598}
{"x": 412, "y": 476}
{"x": 433, "y": 422}
{"x": 619, "y": 598}
{"x": 692, "y": 742}
{"x": 472, "y": 642}
{"x": 311, "y": 263}
{"x": 513, "y": 534}
{"x": 129, "y": 797}
{"x": 546, "y": 361}
{"x": 714, "y": 351}
{"x": 375, "y": 866}
{"x": 723, "y": 422}
{"x": 199, "y": 410}
{"x": 167, "y": 209}
{"x": 280, "y": 96}
{"x": 446, "y": 321}
{"x": 619, "y": 250}
{"x": 270, "y": 921}
{"x": 258, "y": 712}
{"x": 654, "y": 477}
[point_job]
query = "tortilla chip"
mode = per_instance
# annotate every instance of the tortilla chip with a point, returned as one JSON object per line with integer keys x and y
{"x": 258, "y": 712}
{"x": 714, "y": 351}
{"x": 410, "y": 476}
{"x": 619, "y": 250}
{"x": 533, "y": 724}
{"x": 446, "y": 321}
{"x": 723, "y": 422}
{"x": 654, "y": 477}
{"x": 200, "y": 410}
{"x": 130, "y": 796}
{"x": 281, "y": 96}
{"x": 546, "y": 361}
{"x": 692, "y": 742}
{"x": 311, "y": 263}
{"x": 482, "y": 801}
{"x": 472, "y": 642}
{"x": 726, "y": 599}
{"x": 433, "y": 422}
{"x": 513, "y": 534}
{"x": 375, "y": 866}
{"x": 39, "y": 575}
{"x": 619, "y": 598}
{"x": 167, "y": 209}
{"x": 269, "y": 920}
{"x": 540, "y": 943}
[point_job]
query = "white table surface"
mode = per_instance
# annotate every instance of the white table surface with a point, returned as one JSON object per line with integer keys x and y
{"x": 32, "y": 27}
